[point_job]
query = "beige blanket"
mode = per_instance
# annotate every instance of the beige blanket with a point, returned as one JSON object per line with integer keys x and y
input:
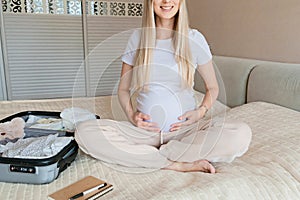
{"x": 269, "y": 170}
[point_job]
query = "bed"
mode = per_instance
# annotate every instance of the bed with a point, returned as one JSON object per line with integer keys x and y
{"x": 269, "y": 170}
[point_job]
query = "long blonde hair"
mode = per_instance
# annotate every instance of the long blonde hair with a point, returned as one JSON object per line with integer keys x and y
{"x": 147, "y": 44}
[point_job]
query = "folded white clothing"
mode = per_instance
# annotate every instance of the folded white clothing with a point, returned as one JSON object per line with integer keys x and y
{"x": 44, "y": 123}
{"x": 32, "y": 119}
{"x": 51, "y": 126}
{"x": 37, "y": 148}
{"x": 72, "y": 116}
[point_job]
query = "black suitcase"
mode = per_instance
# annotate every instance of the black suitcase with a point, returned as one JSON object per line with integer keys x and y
{"x": 37, "y": 171}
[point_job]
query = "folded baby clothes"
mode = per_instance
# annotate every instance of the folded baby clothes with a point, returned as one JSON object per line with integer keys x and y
{"x": 72, "y": 116}
{"x": 44, "y": 123}
{"x": 37, "y": 148}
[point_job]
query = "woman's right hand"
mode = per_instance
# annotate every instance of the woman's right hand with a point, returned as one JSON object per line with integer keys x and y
{"x": 141, "y": 120}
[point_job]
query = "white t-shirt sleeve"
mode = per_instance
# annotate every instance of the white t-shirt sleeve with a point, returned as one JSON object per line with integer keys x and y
{"x": 199, "y": 47}
{"x": 130, "y": 51}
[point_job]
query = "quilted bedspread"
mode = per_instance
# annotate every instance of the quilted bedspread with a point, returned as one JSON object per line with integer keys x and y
{"x": 269, "y": 170}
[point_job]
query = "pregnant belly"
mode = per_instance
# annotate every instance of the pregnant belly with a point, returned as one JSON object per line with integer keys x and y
{"x": 165, "y": 108}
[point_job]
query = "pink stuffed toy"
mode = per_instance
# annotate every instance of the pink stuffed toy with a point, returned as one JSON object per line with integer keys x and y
{"x": 12, "y": 129}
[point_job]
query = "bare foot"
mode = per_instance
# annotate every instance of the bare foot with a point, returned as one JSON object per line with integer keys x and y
{"x": 196, "y": 166}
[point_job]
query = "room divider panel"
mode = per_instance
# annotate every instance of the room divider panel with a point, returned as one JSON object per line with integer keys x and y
{"x": 54, "y": 48}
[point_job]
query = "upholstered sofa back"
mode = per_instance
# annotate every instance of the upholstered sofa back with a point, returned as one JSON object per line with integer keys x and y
{"x": 246, "y": 80}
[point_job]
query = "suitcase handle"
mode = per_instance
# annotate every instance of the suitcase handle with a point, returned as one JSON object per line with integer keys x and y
{"x": 68, "y": 158}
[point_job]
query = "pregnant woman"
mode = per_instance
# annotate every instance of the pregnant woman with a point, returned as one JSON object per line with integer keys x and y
{"x": 167, "y": 129}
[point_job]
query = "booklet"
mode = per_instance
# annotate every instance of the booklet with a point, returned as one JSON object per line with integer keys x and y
{"x": 88, "y": 188}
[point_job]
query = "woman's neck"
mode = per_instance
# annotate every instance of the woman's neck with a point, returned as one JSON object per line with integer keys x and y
{"x": 164, "y": 28}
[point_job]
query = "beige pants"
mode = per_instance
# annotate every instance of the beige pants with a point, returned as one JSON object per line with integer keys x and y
{"x": 122, "y": 143}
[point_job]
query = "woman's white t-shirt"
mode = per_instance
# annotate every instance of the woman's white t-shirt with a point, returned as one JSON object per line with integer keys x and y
{"x": 165, "y": 99}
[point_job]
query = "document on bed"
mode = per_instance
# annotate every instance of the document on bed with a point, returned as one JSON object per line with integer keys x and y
{"x": 88, "y": 188}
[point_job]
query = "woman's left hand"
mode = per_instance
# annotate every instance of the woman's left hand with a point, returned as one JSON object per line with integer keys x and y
{"x": 190, "y": 116}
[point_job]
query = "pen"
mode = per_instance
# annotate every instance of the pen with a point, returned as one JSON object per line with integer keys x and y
{"x": 88, "y": 191}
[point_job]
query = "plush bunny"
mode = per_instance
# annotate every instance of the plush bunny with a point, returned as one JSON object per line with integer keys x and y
{"x": 12, "y": 129}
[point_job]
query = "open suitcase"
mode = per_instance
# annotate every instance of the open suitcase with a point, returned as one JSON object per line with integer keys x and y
{"x": 37, "y": 171}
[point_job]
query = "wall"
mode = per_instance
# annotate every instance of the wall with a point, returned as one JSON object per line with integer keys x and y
{"x": 265, "y": 30}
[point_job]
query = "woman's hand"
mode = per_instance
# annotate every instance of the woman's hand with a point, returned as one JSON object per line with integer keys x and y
{"x": 190, "y": 116}
{"x": 141, "y": 120}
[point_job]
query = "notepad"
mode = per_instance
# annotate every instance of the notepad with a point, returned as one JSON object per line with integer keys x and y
{"x": 81, "y": 186}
